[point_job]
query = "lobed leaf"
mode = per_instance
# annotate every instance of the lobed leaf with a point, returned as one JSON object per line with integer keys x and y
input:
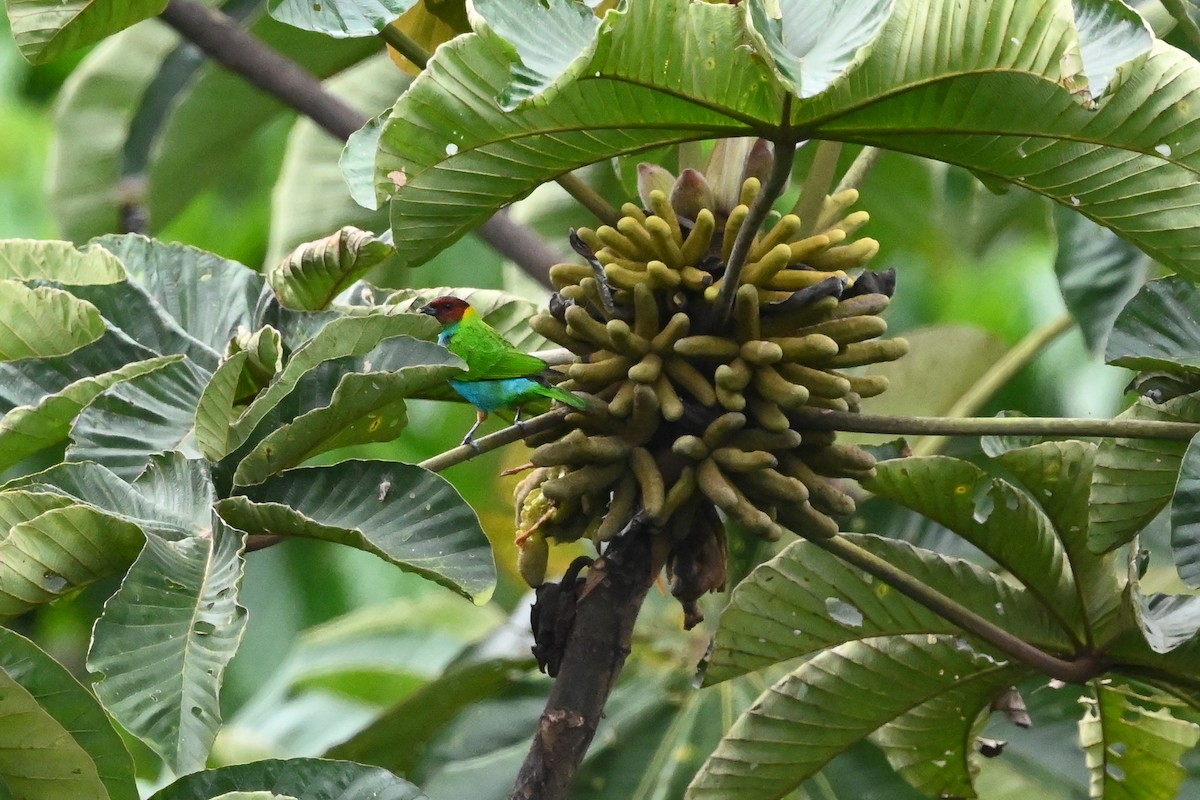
{"x": 55, "y": 739}
{"x": 406, "y": 515}
{"x": 160, "y": 648}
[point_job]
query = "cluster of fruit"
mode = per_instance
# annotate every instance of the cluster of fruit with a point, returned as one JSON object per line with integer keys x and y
{"x": 693, "y": 413}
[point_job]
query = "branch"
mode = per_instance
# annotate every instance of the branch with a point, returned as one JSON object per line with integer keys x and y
{"x": 595, "y": 652}
{"x": 1080, "y": 670}
{"x": 857, "y": 173}
{"x": 1055, "y": 427}
{"x": 816, "y": 185}
{"x": 997, "y": 375}
{"x": 226, "y": 43}
{"x": 405, "y": 45}
{"x": 781, "y": 171}
{"x": 495, "y": 440}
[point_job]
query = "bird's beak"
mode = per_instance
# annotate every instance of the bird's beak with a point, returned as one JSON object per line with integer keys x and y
{"x": 428, "y": 309}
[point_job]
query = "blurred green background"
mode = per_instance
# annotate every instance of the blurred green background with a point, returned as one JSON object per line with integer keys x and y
{"x": 336, "y": 636}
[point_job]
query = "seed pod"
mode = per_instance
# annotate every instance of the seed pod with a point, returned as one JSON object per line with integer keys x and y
{"x": 774, "y": 485}
{"x": 620, "y": 509}
{"x": 793, "y": 280}
{"x": 625, "y": 340}
{"x": 730, "y": 400}
{"x": 645, "y": 312}
{"x": 647, "y": 370}
{"x": 823, "y": 495}
{"x": 733, "y": 460}
{"x": 868, "y": 385}
{"x": 761, "y": 352}
{"x": 598, "y": 374}
{"x": 734, "y": 376}
{"x": 786, "y": 229}
{"x": 690, "y": 379}
{"x": 612, "y": 238}
{"x": 636, "y": 232}
{"x": 768, "y": 414}
{"x": 664, "y": 241}
{"x": 644, "y": 419}
{"x": 808, "y": 349}
{"x": 581, "y": 325}
{"x": 690, "y": 446}
{"x": 857, "y": 354}
{"x": 806, "y": 521}
{"x": 849, "y": 329}
{"x": 840, "y": 461}
{"x": 762, "y": 270}
{"x": 660, "y": 204}
{"x": 668, "y": 399}
{"x": 590, "y": 478}
{"x": 776, "y": 388}
{"x": 661, "y": 277}
{"x": 696, "y": 246}
{"x": 532, "y": 557}
{"x": 715, "y": 347}
{"x": 622, "y": 402}
{"x": 715, "y": 485}
{"x": 675, "y": 329}
{"x": 723, "y": 428}
{"x": 679, "y": 493}
{"x": 818, "y": 382}
{"x": 649, "y": 479}
{"x": 624, "y": 278}
{"x": 568, "y": 274}
{"x": 847, "y": 256}
{"x": 759, "y": 439}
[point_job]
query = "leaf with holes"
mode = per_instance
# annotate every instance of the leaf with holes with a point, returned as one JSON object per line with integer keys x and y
{"x": 805, "y": 600}
{"x": 1134, "y": 742}
{"x": 55, "y": 739}
{"x": 402, "y": 513}
{"x": 160, "y": 647}
{"x": 993, "y": 515}
{"x": 842, "y": 695}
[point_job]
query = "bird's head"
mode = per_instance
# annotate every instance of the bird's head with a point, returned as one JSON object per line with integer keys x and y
{"x": 446, "y": 310}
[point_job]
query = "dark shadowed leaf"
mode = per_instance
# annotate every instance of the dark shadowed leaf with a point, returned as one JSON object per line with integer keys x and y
{"x": 1159, "y": 328}
{"x": 210, "y": 297}
{"x": 55, "y": 739}
{"x": 1097, "y": 273}
{"x": 1185, "y": 517}
{"x": 302, "y": 778}
{"x": 160, "y": 648}
{"x": 139, "y": 418}
{"x": 406, "y": 515}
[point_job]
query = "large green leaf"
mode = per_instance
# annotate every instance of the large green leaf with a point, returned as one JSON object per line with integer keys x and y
{"x": 46, "y": 29}
{"x": 507, "y": 313}
{"x": 406, "y": 515}
{"x": 1097, "y": 274}
{"x": 340, "y": 18}
{"x": 209, "y": 297}
{"x": 127, "y": 307}
{"x": 55, "y": 740}
{"x": 1134, "y": 479}
{"x": 1059, "y": 475}
{"x": 1001, "y": 64}
{"x": 316, "y": 272}
{"x": 160, "y": 648}
{"x": 838, "y": 697}
{"x": 44, "y": 322}
{"x": 1185, "y": 517}
{"x": 805, "y": 600}
{"x": 993, "y": 515}
{"x": 1159, "y": 328}
{"x": 303, "y": 778}
{"x": 1134, "y": 743}
{"x": 28, "y": 260}
{"x": 26, "y": 429}
{"x": 340, "y": 338}
{"x": 50, "y": 548}
{"x": 366, "y": 407}
{"x": 95, "y": 115}
{"x": 138, "y": 418}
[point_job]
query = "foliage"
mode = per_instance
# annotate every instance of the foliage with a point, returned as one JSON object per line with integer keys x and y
{"x": 166, "y": 409}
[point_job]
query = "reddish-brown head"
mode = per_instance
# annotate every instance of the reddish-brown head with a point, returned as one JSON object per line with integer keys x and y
{"x": 446, "y": 310}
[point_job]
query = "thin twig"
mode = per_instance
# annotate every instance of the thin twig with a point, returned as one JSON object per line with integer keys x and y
{"x": 1056, "y": 427}
{"x": 492, "y": 441}
{"x": 405, "y": 45}
{"x": 816, "y": 185}
{"x": 1079, "y": 670}
{"x": 222, "y": 40}
{"x": 861, "y": 166}
{"x": 781, "y": 171}
{"x": 999, "y": 374}
{"x": 589, "y": 198}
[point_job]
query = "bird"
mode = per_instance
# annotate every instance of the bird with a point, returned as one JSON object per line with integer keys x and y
{"x": 498, "y": 374}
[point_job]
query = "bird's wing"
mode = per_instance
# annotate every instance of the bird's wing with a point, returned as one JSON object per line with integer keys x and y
{"x": 489, "y": 356}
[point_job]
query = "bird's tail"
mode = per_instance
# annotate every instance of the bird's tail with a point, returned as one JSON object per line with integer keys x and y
{"x": 563, "y": 396}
